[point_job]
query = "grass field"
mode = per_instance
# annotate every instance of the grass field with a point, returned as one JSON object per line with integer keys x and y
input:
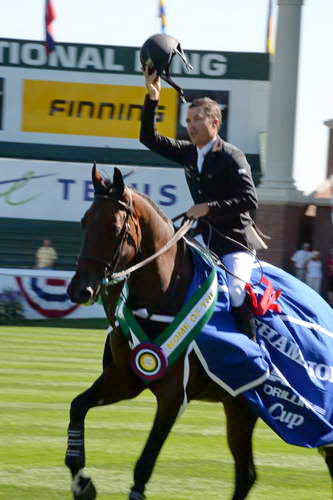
{"x": 43, "y": 368}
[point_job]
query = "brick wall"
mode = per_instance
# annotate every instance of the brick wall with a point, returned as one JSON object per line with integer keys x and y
{"x": 284, "y": 224}
{"x": 323, "y": 238}
{"x": 289, "y": 227}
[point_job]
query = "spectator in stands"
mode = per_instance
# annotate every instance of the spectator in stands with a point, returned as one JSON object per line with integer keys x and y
{"x": 46, "y": 255}
{"x": 298, "y": 259}
{"x": 314, "y": 271}
{"x": 329, "y": 271}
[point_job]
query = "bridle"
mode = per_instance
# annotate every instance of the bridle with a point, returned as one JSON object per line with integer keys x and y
{"x": 111, "y": 266}
{"x": 110, "y": 276}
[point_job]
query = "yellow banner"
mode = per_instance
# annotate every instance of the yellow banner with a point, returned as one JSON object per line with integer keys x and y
{"x": 92, "y": 109}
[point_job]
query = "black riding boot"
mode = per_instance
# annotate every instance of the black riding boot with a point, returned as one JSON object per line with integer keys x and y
{"x": 244, "y": 317}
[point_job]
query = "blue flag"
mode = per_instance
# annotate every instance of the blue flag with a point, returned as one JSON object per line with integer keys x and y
{"x": 287, "y": 375}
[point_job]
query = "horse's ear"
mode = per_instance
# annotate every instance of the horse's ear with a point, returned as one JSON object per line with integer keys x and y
{"x": 96, "y": 176}
{"x": 118, "y": 181}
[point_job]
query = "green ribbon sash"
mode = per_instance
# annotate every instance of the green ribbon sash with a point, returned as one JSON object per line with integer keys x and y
{"x": 186, "y": 325}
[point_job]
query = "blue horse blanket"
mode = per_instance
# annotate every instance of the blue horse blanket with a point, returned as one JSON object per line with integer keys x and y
{"x": 287, "y": 376}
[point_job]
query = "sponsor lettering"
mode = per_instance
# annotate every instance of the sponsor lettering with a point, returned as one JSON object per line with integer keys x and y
{"x": 111, "y": 59}
{"x": 278, "y": 412}
{"x": 292, "y": 351}
{"x": 9, "y": 194}
{"x": 284, "y": 394}
{"x": 211, "y": 64}
{"x": 320, "y": 371}
{"x": 165, "y": 194}
{"x": 69, "y": 189}
{"x": 92, "y": 109}
{"x": 100, "y": 110}
{"x": 69, "y": 56}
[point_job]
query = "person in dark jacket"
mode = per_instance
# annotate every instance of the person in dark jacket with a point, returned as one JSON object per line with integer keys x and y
{"x": 220, "y": 181}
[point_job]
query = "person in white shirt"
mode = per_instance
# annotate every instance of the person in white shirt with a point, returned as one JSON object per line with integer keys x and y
{"x": 314, "y": 271}
{"x": 299, "y": 258}
{"x": 46, "y": 255}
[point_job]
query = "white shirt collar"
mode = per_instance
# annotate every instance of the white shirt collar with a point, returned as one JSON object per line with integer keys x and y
{"x": 207, "y": 147}
{"x": 203, "y": 151}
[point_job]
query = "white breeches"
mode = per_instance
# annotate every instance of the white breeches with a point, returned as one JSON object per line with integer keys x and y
{"x": 240, "y": 264}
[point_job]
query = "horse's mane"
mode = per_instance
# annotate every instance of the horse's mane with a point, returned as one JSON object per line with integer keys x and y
{"x": 154, "y": 205}
{"x": 107, "y": 185}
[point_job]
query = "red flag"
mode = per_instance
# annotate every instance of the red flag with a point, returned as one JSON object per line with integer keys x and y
{"x": 49, "y": 18}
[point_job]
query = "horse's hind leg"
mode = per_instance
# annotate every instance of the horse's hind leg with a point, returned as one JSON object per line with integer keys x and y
{"x": 327, "y": 453}
{"x": 106, "y": 390}
{"x": 240, "y": 425}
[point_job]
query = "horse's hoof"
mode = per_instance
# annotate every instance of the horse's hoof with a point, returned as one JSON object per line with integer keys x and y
{"x": 135, "y": 495}
{"x": 84, "y": 490}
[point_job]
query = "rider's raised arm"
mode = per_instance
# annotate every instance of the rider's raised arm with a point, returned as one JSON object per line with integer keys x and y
{"x": 172, "y": 149}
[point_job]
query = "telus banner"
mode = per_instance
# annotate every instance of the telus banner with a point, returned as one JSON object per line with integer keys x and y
{"x": 63, "y": 192}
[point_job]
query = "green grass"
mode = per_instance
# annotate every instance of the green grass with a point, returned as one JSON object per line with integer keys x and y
{"x": 43, "y": 368}
{"x": 86, "y": 323}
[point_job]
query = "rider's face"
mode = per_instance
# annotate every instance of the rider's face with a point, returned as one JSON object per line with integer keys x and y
{"x": 201, "y": 127}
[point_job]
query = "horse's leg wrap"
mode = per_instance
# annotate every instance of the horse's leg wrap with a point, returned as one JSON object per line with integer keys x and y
{"x": 135, "y": 495}
{"x": 83, "y": 488}
{"x": 75, "y": 456}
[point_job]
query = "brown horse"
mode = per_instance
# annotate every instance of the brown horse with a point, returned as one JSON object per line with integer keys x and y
{"x": 121, "y": 228}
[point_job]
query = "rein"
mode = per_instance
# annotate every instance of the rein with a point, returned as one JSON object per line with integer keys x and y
{"x": 115, "y": 277}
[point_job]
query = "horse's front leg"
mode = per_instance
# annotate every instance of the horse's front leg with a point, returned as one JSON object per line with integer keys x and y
{"x": 166, "y": 414}
{"x": 240, "y": 424}
{"x": 111, "y": 387}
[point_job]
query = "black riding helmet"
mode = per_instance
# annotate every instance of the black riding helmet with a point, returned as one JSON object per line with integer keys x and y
{"x": 157, "y": 52}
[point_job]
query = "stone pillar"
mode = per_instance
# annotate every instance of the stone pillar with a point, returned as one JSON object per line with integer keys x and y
{"x": 281, "y": 206}
{"x": 278, "y": 183}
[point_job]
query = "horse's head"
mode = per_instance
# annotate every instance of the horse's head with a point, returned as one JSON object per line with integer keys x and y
{"x": 111, "y": 237}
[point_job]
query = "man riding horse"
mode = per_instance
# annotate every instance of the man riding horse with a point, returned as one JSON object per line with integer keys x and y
{"x": 218, "y": 175}
{"x": 188, "y": 347}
